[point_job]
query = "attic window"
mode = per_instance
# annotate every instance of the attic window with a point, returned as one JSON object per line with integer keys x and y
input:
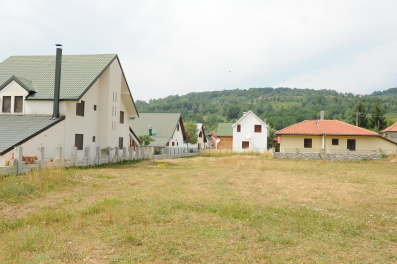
{"x": 6, "y": 104}
{"x": 238, "y": 128}
{"x": 18, "y": 103}
{"x": 80, "y": 109}
{"x": 258, "y": 129}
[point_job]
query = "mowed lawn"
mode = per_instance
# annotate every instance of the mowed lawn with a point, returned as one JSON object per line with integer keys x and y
{"x": 237, "y": 209}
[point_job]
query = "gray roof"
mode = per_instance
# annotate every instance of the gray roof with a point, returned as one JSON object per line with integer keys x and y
{"x": 163, "y": 126}
{"x": 17, "y": 129}
{"x": 36, "y": 74}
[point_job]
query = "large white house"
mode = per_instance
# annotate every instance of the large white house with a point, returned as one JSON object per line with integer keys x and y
{"x": 87, "y": 103}
{"x": 250, "y": 132}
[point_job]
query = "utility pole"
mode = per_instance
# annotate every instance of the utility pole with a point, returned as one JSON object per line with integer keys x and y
{"x": 356, "y": 119}
{"x": 378, "y": 126}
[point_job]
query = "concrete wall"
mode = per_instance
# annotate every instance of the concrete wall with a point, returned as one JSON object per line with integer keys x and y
{"x": 177, "y": 138}
{"x": 257, "y": 140}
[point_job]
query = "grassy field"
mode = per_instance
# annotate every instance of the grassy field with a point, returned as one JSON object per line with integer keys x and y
{"x": 236, "y": 209}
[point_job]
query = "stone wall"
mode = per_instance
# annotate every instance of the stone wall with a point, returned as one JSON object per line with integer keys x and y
{"x": 331, "y": 157}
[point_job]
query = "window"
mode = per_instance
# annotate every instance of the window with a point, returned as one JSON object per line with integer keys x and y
{"x": 6, "y": 104}
{"x": 307, "y": 143}
{"x": 258, "y": 129}
{"x": 94, "y": 107}
{"x": 335, "y": 142}
{"x": 238, "y": 128}
{"x": 177, "y": 143}
{"x": 18, "y": 102}
{"x": 168, "y": 144}
{"x": 112, "y": 110}
{"x": 93, "y": 139}
{"x": 245, "y": 144}
{"x": 78, "y": 141}
{"x": 80, "y": 109}
{"x": 201, "y": 134}
{"x": 121, "y": 117}
{"x": 173, "y": 143}
{"x": 351, "y": 144}
{"x": 177, "y": 127}
{"x": 120, "y": 142}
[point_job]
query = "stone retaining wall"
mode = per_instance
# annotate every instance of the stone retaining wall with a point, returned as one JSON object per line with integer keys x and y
{"x": 331, "y": 157}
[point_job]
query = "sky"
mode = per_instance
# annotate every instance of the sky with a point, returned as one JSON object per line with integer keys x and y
{"x": 177, "y": 47}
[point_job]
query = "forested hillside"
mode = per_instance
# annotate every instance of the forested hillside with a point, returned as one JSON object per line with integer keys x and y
{"x": 280, "y": 106}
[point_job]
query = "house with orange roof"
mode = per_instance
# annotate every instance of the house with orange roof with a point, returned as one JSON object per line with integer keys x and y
{"x": 332, "y": 136}
{"x": 390, "y": 132}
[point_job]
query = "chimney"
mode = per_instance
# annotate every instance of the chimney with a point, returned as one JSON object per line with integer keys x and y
{"x": 244, "y": 113}
{"x": 150, "y": 131}
{"x": 264, "y": 120}
{"x": 57, "y": 85}
{"x": 322, "y": 115}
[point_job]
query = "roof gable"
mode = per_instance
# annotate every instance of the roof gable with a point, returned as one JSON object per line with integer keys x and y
{"x": 250, "y": 113}
{"x": 392, "y": 128}
{"x": 163, "y": 126}
{"x": 325, "y": 127}
{"x": 24, "y": 83}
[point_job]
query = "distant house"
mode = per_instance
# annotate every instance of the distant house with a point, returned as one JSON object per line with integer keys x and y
{"x": 89, "y": 104}
{"x": 214, "y": 140}
{"x": 390, "y": 132}
{"x": 225, "y": 135}
{"x": 332, "y": 136}
{"x": 250, "y": 132}
{"x": 209, "y": 144}
{"x": 166, "y": 128}
{"x": 201, "y": 137}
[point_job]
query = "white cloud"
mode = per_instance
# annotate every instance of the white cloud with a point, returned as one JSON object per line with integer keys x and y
{"x": 170, "y": 47}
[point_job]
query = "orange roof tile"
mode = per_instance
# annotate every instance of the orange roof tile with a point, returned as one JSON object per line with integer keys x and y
{"x": 325, "y": 127}
{"x": 392, "y": 128}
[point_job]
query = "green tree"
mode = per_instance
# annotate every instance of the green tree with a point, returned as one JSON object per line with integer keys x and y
{"x": 233, "y": 112}
{"x": 271, "y": 132}
{"x": 191, "y": 131}
{"x": 377, "y": 118}
{"x": 146, "y": 139}
{"x": 362, "y": 118}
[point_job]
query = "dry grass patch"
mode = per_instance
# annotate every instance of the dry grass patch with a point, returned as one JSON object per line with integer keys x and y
{"x": 235, "y": 209}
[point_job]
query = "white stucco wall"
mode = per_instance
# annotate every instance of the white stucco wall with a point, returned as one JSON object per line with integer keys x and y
{"x": 257, "y": 141}
{"x": 177, "y": 139}
{"x": 13, "y": 89}
{"x": 108, "y": 93}
{"x": 49, "y": 139}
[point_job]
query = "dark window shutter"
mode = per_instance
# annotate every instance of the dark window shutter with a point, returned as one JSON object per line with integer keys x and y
{"x": 245, "y": 144}
{"x": 80, "y": 109}
{"x": 307, "y": 143}
{"x": 351, "y": 144}
{"x": 78, "y": 141}
{"x": 258, "y": 128}
{"x": 120, "y": 142}
{"x": 18, "y": 104}
{"x": 335, "y": 142}
{"x": 121, "y": 117}
{"x": 6, "y": 104}
{"x": 238, "y": 128}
